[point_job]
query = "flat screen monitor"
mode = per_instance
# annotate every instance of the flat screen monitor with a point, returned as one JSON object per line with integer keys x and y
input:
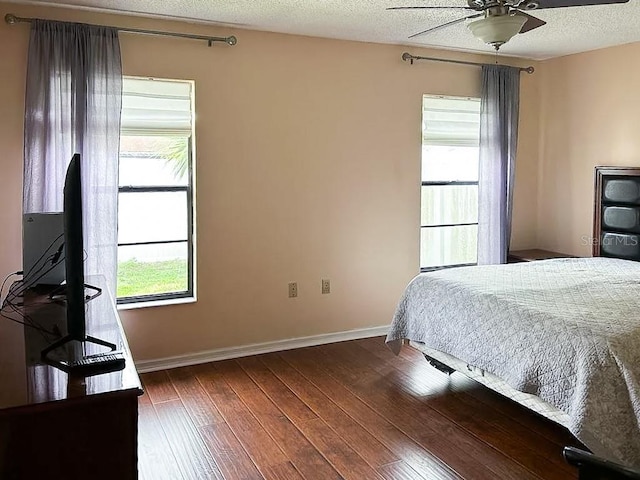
{"x": 74, "y": 250}
{"x": 74, "y": 291}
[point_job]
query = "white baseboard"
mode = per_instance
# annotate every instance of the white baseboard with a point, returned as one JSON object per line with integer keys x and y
{"x": 144, "y": 366}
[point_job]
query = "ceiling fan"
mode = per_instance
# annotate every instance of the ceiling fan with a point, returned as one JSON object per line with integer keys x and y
{"x": 503, "y": 19}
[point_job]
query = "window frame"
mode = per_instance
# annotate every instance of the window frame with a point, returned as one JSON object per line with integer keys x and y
{"x": 189, "y": 293}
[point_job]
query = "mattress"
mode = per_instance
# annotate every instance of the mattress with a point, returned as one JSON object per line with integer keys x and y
{"x": 564, "y": 330}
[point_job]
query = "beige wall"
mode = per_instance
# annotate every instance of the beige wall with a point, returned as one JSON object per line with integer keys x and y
{"x": 308, "y": 161}
{"x": 590, "y": 116}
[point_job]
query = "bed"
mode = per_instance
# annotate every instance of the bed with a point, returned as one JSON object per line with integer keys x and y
{"x": 561, "y": 336}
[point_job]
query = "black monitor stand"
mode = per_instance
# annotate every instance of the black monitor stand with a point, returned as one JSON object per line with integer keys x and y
{"x": 76, "y": 336}
{"x": 68, "y": 339}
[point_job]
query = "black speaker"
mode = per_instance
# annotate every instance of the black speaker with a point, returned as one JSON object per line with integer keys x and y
{"x": 621, "y": 190}
{"x": 621, "y": 218}
{"x": 620, "y": 245}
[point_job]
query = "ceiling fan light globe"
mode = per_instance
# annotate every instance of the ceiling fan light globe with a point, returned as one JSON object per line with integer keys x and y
{"x": 497, "y": 30}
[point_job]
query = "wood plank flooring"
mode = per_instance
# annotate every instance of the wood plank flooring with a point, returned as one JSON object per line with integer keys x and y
{"x": 349, "y": 410}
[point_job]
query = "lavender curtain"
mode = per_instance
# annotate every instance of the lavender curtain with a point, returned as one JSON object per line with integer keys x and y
{"x": 498, "y": 141}
{"x": 73, "y": 103}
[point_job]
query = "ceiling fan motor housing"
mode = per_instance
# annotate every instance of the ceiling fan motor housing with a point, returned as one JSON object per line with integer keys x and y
{"x": 483, "y": 5}
{"x": 497, "y": 11}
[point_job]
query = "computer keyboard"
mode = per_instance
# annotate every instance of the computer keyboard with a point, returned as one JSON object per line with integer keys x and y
{"x": 97, "y": 364}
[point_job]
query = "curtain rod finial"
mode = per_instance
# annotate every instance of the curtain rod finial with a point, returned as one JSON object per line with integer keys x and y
{"x": 529, "y": 69}
{"x": 228, "y": 40}
{"x": 10, "y": 18}
{"x": 406, "y": 56}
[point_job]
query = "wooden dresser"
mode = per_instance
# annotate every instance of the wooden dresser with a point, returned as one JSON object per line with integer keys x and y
{"x": 53, "y": 425}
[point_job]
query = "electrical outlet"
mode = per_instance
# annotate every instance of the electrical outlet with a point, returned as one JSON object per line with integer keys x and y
{"x": 326, "y": 286}
{"x": 293, "y": 289}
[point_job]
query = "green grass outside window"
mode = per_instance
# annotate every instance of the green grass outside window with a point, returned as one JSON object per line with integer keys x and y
{"x": 148, "y": 278}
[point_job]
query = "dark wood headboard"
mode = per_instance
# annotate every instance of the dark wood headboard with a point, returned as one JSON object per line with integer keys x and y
{"x": 616, "y": 223}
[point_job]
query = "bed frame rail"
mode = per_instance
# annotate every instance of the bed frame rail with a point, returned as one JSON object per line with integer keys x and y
{"x": 437, "y": 364}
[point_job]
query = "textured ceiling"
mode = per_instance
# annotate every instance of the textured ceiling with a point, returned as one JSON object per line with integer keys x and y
{"x": 568, "y": 30}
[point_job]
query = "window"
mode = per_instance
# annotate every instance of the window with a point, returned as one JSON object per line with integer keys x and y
{"x": 449, "y": 207}
{"x": 155, "y": 198}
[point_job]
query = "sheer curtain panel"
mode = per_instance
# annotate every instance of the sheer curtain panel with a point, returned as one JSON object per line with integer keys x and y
{"x": 73, "y": 103}
{"x": 498, "y": 141}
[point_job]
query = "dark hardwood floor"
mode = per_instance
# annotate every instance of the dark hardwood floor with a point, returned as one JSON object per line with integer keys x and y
{"x": 347, "y": 410}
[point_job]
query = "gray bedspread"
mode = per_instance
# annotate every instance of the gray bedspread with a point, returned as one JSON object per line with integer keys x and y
{"x": 566, "y": 330}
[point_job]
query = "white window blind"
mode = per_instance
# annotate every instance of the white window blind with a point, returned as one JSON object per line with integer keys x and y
{"x": 152, "y": 107}
{"x": 451, "y": 121}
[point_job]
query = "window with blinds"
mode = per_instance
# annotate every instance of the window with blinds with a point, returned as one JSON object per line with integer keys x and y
{"x": 449, "y": 205}
{"x": 155, "y": 202}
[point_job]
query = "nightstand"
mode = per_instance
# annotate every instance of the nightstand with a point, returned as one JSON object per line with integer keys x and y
{"x": 516, "y": 256}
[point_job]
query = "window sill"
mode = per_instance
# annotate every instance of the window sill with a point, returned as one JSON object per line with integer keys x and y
{"x": 156, "y": 303}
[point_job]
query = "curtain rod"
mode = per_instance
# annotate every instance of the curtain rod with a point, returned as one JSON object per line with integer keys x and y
{"x": 12, "y": 19}
{"x": 408, "y": 57}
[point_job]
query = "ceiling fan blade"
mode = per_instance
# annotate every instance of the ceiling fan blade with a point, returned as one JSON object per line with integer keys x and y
{"x": 430, "y": 8}
{"x": 531, "y": 23}
{"x": 538, "y": 4}
{"x": 448, "y": 24}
